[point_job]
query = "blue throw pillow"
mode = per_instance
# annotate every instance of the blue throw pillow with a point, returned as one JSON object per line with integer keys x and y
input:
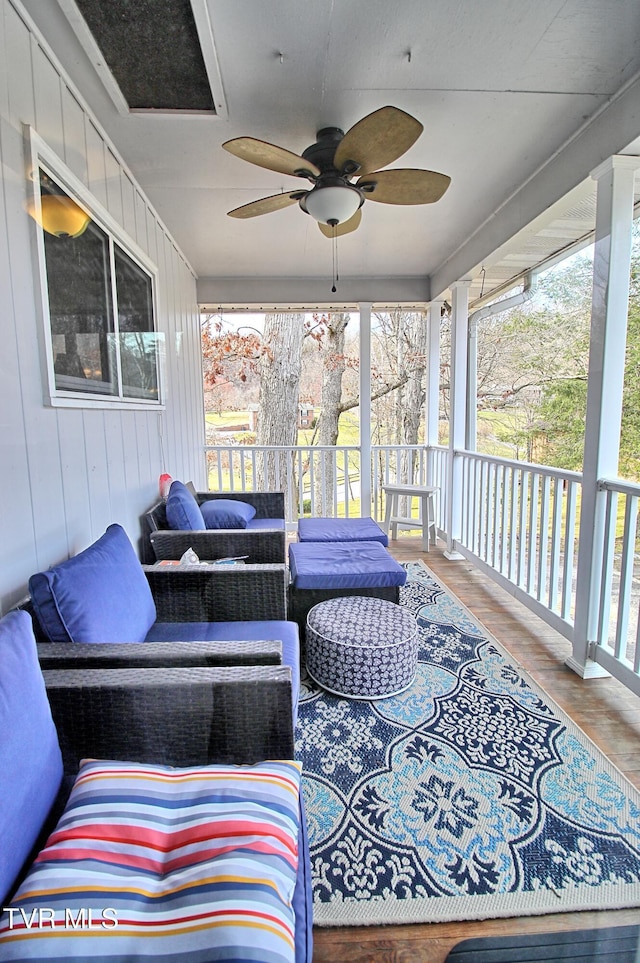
{"x": 30, "y": 760}
{"x": 99, "y": 595}
{"x": 183, "y": 511}
{"x": 226, "y": 513}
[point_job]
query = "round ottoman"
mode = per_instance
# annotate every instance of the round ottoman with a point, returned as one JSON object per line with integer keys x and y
{"x": 362, "y": 648}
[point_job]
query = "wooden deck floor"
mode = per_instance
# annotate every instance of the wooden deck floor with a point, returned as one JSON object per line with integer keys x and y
{"x": 603, "y": 708}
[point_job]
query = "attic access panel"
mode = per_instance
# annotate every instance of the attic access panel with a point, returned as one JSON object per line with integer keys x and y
{"x": 153, "y": 51}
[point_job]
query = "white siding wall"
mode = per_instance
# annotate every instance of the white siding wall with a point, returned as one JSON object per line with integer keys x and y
{"x": 65, "y": 474}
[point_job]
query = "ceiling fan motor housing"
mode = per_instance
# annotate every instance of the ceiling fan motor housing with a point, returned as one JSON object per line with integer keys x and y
{"x": 323, "y": 151}
{"x": 329, "y": 198}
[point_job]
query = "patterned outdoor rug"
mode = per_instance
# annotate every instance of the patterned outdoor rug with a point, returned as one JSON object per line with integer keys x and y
{"x": 471, "y": 795}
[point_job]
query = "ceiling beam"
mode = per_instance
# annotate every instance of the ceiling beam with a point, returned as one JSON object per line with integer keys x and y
{"x": 311, "y": 293}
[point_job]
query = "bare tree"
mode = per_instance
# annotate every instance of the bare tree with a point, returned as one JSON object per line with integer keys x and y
{"x": 333, "y": 368}
{"x": 279, "y": 368}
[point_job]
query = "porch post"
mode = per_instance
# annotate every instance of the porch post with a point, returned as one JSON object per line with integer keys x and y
{"x": 432, "y": 405}
{"x": 471, "y": 427}
{"x": 366, "y": 507}
{"x": 609, "y": 310}
{"x": 457, "y": 411}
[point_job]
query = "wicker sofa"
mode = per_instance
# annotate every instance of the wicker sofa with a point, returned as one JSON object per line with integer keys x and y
{"x": 104, "y": 595}
{"x": 263, "y": 540}
{"x": 105, "y": 854}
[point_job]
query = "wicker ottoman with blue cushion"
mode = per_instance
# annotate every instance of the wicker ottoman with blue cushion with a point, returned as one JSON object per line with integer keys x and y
{"x": 327, "y": 570}
{"x": 340, "y": 530}
{"x": 362, "y": 648}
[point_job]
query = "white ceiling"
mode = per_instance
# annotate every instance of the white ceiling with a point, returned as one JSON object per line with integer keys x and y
{"x": 501, "y": 86}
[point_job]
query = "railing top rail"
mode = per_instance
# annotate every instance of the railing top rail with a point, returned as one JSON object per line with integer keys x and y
{"x": 399, "y": 446}
{"x": 619, "y": 486}
{"x": 573, "y": 476}
{"x": 283, "y": 448}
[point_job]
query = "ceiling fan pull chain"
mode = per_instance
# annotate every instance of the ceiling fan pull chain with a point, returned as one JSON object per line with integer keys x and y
{"x": 334, "y": 245}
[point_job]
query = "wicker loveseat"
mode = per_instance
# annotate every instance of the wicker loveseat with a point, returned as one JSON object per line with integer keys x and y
{"x": 262, "y": 540}
{"x": 142, "y": 851}
{"x": 104, "y": 595}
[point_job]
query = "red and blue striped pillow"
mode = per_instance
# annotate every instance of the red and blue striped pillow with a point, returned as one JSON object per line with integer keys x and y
{"x": 159, "y": 863}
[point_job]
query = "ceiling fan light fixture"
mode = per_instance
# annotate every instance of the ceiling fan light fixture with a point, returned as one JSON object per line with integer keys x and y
{"x": 332, "y": 205}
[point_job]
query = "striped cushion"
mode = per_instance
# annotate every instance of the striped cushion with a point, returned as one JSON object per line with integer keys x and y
{"x": 155, "y": 863}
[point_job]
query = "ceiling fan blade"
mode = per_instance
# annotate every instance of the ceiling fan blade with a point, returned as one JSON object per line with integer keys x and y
{"x": 266, "y": 205}
{"x": 404, "y": 186}
{"x": 346, "y": 227}
{"x": 377, "y": 140}
{"x": 270, "y": 156}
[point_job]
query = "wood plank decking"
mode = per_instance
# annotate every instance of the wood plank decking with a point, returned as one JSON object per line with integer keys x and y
{"x": 603, "y": 708}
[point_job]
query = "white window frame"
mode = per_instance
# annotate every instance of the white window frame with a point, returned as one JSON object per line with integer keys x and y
{"x": 40, "y": 155}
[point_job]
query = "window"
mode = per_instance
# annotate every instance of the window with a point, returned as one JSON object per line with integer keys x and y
{"x": 98, "y": 302}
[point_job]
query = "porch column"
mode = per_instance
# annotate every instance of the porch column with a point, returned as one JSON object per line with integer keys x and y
{"x": 432, "y": 401}
{"x": 457, "y": 411}
{"x": 609, "y": 310}
{"x": 366, "y": 507}
{"x": 471, "y": 427}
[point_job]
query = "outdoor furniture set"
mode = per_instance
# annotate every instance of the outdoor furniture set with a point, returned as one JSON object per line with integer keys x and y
{"x": 204, "y": 709}
{"x": 126, "y": 683}
{"x": 216, "y": 525}
{"x": 333, "y": 558}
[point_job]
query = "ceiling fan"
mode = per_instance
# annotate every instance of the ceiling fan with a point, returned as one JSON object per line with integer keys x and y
{"x": 332, "y": 163}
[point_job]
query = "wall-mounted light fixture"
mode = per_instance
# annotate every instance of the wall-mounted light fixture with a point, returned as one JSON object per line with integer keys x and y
{"x": 59, "y": 215}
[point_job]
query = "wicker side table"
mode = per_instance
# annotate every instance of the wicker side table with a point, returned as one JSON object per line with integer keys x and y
{"x": 361, "y": 648}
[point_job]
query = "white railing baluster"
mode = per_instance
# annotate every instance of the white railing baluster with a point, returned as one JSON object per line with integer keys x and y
{"x": 626, "y": 576}
{"x": 569, "y": 551}
{"x": 522, "y": 526}
{"x": 507, "y": 486}
{"x": 606, "y": 580}
{"x": 469, "y": 501}
{"x": 516, "y": 485}
{"x": 556, "y": 535}
{"x": 497, "y": 471}
{"x": 533, "y": 532}
{"x": 543, "y": 547}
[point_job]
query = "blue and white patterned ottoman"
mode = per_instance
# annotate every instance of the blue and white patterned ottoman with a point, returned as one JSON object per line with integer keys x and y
{"x": 362, "y": 648}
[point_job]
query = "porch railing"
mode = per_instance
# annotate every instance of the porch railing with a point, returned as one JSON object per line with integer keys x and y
{"x": 519, "y": 524}
{"x": 618, "y": 634}
{"x": 317, "y": 480}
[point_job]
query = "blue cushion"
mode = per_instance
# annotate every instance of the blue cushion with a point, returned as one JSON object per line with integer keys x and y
{"x": 183, "y": 511}
{"x": 30, "y": 760}
{"x": 260, "y": 523}
{"x": 287, "y": 632}
{"x": 340, "y": 530}
{"x": 303, "y": 893}
{"x": 99, "y": 595}
{"x": 226, "y": 513}
{"x": 317, "y": 565}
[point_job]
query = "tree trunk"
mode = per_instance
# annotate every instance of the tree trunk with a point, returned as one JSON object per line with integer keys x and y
{"x": 414, "y": 391}
{"x": 279, "y": 369}
{"x": 333, "y": 367}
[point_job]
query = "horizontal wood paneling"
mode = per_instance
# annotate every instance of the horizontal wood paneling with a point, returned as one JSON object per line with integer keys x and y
{"x": 67, "y": 473}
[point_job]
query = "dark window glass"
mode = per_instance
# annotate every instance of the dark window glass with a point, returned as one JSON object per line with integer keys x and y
{"x": 98, "y": 347}
{"x": 138, "y": 357}
{"x": 81, "y": 311}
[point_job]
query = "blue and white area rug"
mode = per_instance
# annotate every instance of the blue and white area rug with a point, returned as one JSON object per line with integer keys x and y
{"x": 471, "y": 795}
